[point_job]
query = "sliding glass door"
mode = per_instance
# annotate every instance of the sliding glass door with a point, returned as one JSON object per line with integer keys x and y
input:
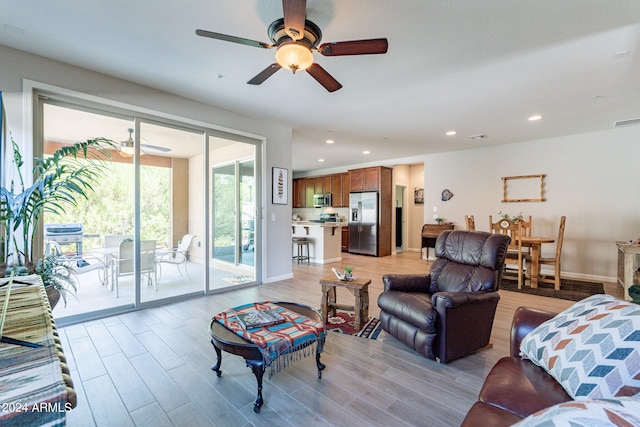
{"x": 171, "y": 207}
{"x": 234, "y": 210}
{"x": 157, "y": 227}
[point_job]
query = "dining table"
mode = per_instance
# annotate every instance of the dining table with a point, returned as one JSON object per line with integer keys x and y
{"x": 535, "y": 243}
{"x": 109, "y": 255}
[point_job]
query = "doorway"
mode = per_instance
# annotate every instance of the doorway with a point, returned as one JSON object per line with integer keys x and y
{"x": 401, "y": 213}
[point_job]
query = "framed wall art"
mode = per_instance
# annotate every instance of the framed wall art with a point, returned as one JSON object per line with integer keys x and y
{"x": 418, "y": 196}
{"x": 523, "y": 188}
{"x": 279, "y": 190}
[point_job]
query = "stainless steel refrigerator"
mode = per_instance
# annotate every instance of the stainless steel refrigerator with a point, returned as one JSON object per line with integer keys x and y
{"x": 363, "y": 223}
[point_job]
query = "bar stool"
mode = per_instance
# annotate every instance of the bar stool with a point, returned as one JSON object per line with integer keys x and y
{"x": 299, "y": 244}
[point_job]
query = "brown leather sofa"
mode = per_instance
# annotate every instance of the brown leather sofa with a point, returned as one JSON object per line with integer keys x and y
{"x": 516, "y": 388}
{"x": 448, "y": 313}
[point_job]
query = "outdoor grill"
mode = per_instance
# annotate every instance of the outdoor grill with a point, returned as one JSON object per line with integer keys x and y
{"x": 64, "y": 234}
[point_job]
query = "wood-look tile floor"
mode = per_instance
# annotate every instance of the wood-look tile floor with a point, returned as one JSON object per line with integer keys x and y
{"x": 153, "y": 367}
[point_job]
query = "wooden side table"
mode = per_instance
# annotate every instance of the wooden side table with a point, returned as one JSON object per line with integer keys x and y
{"x": 360, "y": 289}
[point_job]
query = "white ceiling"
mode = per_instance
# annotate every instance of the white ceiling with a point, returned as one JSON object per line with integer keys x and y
{"x": 473, "y": 66}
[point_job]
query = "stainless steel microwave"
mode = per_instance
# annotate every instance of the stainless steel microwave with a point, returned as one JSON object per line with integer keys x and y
{"x": 321, "y": 200}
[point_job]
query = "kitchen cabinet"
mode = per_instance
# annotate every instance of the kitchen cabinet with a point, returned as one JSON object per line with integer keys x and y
{"x": 346, "y": 189}
{"x": 310, "y": 190}
{"x": 367, "y": 179}
{"x": 345, "y": 239}
{"x": 300, "y": 193}
{"x": 340, "y": 190}
{"x": 322, "y": 184}
{"x": 303, "y": 191}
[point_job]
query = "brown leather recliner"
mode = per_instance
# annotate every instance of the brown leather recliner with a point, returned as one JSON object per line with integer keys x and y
{"x": 448, "y": 313}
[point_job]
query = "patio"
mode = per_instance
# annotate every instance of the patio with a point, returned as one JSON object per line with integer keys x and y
{"x": 92, "y": 295}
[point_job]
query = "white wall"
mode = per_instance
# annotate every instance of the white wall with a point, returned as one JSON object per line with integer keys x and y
{"x": 593, "y": 179}
{"x": 17, "y": 66}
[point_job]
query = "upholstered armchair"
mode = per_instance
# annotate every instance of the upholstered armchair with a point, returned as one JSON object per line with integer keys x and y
{"x": 448, "y": 313}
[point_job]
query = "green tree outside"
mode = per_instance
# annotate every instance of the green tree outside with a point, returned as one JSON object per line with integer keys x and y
{"x": 109, "y": 210}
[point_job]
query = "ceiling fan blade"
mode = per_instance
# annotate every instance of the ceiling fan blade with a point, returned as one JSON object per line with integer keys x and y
{"x": 233, "y": 39}
{"x": 156, "y": 147}
{"x": 294, "y": 14}
{"x": 264, "y": 74}
{"x": 354, "y": 47}
{"x": 323, "y": 77}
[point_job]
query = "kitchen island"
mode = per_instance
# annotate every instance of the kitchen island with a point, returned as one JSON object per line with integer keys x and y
{"x": 325, "y": 240}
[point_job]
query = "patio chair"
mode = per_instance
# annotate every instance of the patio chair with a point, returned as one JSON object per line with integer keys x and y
{"x": 114, "y": 240}
{"x": 80, "y": 264}
{"x": 178, "y": 256}
{"x": 124, "y": 264}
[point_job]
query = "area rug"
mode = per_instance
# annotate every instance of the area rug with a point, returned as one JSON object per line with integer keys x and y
{"x": 239, "y": 280}
{"x": 343, "y": 323}
{"x": 573, "y": 290}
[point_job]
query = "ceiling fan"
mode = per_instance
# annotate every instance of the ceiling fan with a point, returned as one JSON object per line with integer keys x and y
{"x": 126, "y": 148}
{"x": 295, "y": 38}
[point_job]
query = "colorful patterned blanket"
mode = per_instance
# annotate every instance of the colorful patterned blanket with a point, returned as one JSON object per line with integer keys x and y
{"x": 35, "y": 386}
{"x": 295, "y": 338}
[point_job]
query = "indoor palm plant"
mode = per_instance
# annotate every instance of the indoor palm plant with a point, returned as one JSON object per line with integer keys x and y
{"x": 59, "y": 181}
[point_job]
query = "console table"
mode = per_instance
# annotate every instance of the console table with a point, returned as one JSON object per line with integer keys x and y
{"x": 36, "y": 387}
{"x": 430, "y": 233}
{"x": 628, "y": 262}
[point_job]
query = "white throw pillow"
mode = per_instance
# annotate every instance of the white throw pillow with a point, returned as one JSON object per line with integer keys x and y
{"x": 587, "y": 413}
{"x": 592, "y": 349}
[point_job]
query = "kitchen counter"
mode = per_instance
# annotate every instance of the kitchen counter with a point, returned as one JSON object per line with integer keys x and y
{"x": 321, "y": 224}
{"x": 325, "y": 239}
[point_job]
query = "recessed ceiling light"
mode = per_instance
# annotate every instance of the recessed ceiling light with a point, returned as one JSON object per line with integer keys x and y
{"x": 329, "y": 141}
{"x": 478, "y": 136}
{"x": 451, "y": 132}
{"x": 535, "y": 117}
{"x": 321, "y": 160}
{"x": 366, "y": 152}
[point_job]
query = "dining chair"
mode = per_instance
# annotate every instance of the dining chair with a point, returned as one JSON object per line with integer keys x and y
{"x": 470, "y": 222}
{"x": 514, "y": 251}
{"x": 526, "y": 231}
{"x": 555, "y": 261}
{"x": 124, "y": 265}
{"x": 177, "y": 256}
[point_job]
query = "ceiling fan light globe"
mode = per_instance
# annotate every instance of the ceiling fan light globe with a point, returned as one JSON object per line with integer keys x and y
{"x": 294, "y": 56}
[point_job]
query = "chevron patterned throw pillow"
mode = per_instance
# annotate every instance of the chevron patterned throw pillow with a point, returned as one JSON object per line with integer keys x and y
{"x": 624, "y": 411}
{"x": 592, "y": 349}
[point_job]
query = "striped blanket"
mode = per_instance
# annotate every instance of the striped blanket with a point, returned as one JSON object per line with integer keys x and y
{"x": 295, "y": 338}
{"x": 35, "y": 388}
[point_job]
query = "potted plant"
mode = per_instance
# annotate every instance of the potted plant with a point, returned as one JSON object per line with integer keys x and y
{"x": 59, "y": 181}
{"x": 512, "y": 218}
{"x": 58, "y": 277}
